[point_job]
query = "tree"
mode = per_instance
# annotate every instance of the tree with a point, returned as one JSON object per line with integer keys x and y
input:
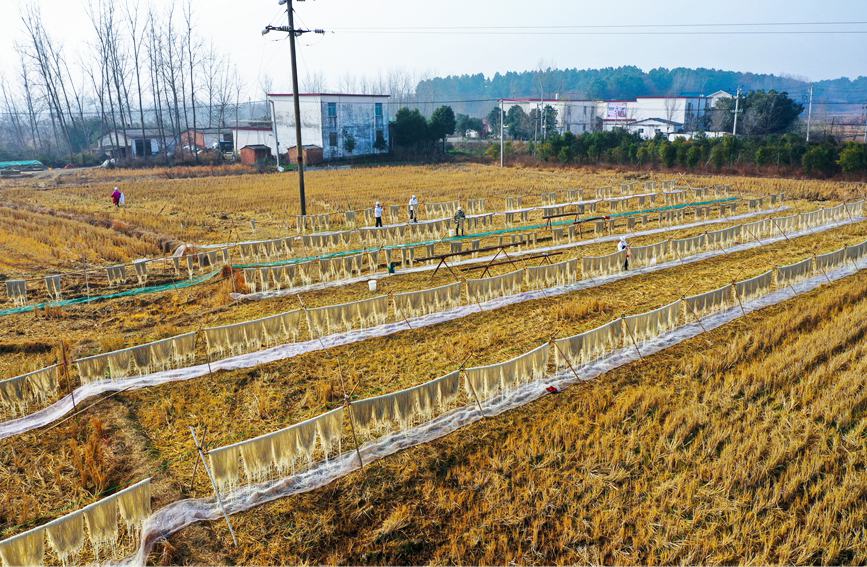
{"x": 494, "y": 120}
{"x": 761, "y": 113}
{"x": 442, "y": 124}
{"x": 410, "y": 128}
{"x": 517, "y": 123}
{"x": 819, "y": 160}
{"x": 464, "y": 122}
{"x": 348, "y": 141}
{"x": 853, "y": 157}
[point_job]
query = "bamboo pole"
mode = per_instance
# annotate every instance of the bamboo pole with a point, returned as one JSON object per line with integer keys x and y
{"x": 565, "y": 358}
{"x": 738, "y": 297}
{"x": 196, "y": 462}
{"x": 631, "y": 336}
{"x": 213, "y": 485}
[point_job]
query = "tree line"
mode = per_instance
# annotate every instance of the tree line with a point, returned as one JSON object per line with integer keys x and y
{"x": 788, "y": 153}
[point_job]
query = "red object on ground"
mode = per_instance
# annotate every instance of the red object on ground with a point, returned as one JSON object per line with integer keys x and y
{"x": 552, "y": 390}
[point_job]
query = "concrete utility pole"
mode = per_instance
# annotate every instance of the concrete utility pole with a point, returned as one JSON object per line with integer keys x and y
{"x": 502, "y": 119}
{"x": 809, "y": 113}
{"x": 737, "y": 101}
{"x": 299, "y": 148}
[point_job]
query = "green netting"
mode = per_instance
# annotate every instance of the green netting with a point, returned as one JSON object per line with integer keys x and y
{"x": 476, "y": 235}
{"x": 128, "y": 293}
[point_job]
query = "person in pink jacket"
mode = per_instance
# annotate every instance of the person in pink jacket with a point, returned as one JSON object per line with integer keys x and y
{"x": 115, "y": 197}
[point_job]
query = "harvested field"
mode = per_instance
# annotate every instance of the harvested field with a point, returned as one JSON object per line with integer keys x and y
{"x": 742, "y": 445}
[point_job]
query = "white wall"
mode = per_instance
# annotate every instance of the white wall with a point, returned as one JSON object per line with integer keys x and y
{"x": 355, "y": 116}
{"x": 576, "y": 116}
{"x": 252, "y": 137}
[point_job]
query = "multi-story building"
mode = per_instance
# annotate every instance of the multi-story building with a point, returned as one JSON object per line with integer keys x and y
{"x": 573, "y": 115}
{"x": 343, "y": 125}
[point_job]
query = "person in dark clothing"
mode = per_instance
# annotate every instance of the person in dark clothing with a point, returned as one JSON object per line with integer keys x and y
{"x": 459, "y": 221}
{"x": 623, "y": 246}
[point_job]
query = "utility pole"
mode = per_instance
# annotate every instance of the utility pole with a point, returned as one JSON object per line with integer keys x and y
{"x": 809, "y": 113}
{"x": 865, "y": 123}
{"x": 299, "y": 149}
{"x": 737, "y": 101}
{"x": 274, "y": 131}
{"x": 502, "y": 119}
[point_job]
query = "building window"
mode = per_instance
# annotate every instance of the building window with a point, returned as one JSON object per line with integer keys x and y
{"x": 332, "y": 139}
{"x": 332, "y": 116}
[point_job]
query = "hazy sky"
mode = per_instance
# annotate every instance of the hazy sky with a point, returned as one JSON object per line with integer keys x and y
{"x": 235, "y": 26}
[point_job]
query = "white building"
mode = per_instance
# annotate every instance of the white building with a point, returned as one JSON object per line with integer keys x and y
{"x": 254, "y": 136}
{"x": 689, "y": 112}
{"x": 130, "y": 143}
{"x": 573, "y": 115}
{"x": 343, "y": 125}
{"x": 650, "y": 127}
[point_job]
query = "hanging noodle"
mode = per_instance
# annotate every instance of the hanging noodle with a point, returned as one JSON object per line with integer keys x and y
{"x": 789, "y": 274}
{"x": 484, "y": 289}
{"x": 708, "y": 302}
{"x": 589, "y": 345}
{"x": 550, "y": 275}
{"x": 753, "y": 287}
{"x": 486, "y": 381}
{"x": 417, "y": 303}
{"x": 645, "y": 326}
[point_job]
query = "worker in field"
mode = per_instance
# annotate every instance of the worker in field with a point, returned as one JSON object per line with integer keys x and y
{"x": 413, "y": 206}
{"x": 115, "y": 197}
{"x": 459, "y": 221}
{"x": 377, "y": 213}
{"x": 623, "y": 246}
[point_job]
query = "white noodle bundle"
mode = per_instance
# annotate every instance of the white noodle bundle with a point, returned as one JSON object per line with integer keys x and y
{"x": 831, "y": 259}
{"x": 592, "y": 266}
{"x": 52, "y": 284}
{"x": 101, "y": 519}
{"x": 755, "y": 286}
{"x": 16, "y": 290}
{"x": 417, "y": 303}
{"x": 484, "y": 289}
{"x": 789, "y": 274}
{"x": 342, "y": 317}
{"x": 856, "y": 251}
{"x": 141, "y": 271}
{"x": 116, "y": 274}
{"x": 648, "y": 255}
{"x": 645, "y": 326}
{"x": 27, "y": 548}
{"x": 486, "y": 381}
{"x": 66, "y": 536}
{"x": 550, "y": 275}
{"x": 687, "y": 246}
{"x": 35, "y": 387}
{"x": 172, "y": 352}
{"x": 252, "y": 335}
{"x": 589, "y": 345}
{"x": 708, "y": 302}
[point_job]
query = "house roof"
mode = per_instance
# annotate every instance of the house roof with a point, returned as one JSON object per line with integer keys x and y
{"x": 330, "y": 94}
{"x": 254, "y": 128}
{"x": 134, "y": 132}
{"x": 257, "y": 147}
{"x": 659, "y": 120}
{"x": 530, "y": 99}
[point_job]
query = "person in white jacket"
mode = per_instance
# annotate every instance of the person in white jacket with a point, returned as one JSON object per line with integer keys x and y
{"x": 623, "y": 246}
{"x": 413, "y": 207}
{"x": 377, "y": 213}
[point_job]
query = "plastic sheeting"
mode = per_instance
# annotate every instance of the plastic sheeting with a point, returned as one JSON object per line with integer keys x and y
{"x": 589, "y": 345}
{"x": 246, "y": 336}
{"x": 20, "y": 392}
{"x": 645, "y": 326}
{"x": 549, "y": 275}
{"x": 486, "y": 381}
{"x": 277, "y": 452}
{"x": 592, "y": 266}
{"x": 172, "y": 352}
{"x": 484, "y": 289}
{"x": 417, "y": 303}
{"x": 752, "y": 287}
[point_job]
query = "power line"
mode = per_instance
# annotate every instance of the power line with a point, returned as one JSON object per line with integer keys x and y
{"x": 609, "y": 33}
{"x": 606, "y": 26}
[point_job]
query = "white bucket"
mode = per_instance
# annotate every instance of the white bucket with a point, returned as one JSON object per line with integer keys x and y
{"x": 371, "y": 285}
{"x": 451, "y": 232}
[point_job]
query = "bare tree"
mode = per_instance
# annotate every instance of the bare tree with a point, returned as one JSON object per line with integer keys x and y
{"x": 137, "y": 35}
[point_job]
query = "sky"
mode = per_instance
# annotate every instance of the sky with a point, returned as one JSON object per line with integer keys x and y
{"x": 351, "y": 47}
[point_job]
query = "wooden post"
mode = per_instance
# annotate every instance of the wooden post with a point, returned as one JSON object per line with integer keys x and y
{"x": 738, "y": 297}
{"x": 631, "y": 336}
{"x": 816, "y": 260}
{"x": 213, "y": 484}
{"x": 783, "y": 232}
{"x": 348, "y": 404}
{"x": 565, "y": 358}
{"x": 475, "y": 395}
{"x": 86, "y": 280}
{"x": 65, "y": 366}
{"x": 196, "y": 462}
